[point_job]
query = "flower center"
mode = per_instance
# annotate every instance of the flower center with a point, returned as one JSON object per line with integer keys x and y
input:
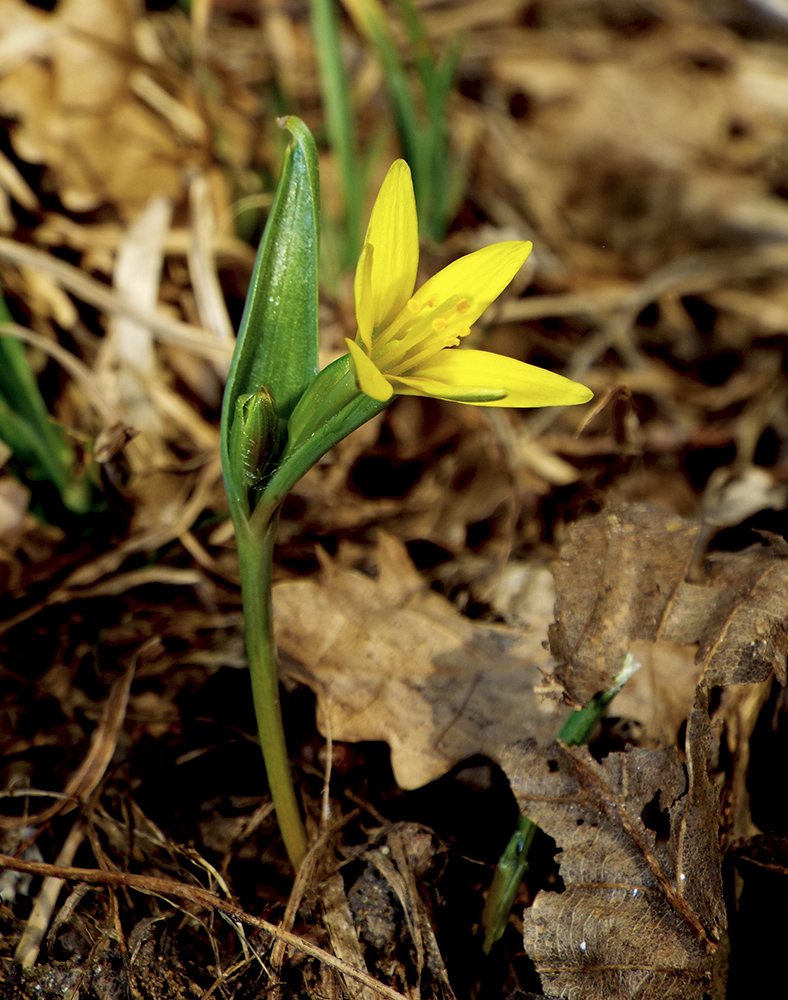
{"x": 420, "y": 331}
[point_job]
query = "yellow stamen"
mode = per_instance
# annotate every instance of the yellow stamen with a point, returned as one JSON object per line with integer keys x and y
{"x": 390, "y": 353}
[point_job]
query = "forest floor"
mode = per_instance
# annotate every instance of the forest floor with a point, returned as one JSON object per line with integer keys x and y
{"x": 450, "y": 582}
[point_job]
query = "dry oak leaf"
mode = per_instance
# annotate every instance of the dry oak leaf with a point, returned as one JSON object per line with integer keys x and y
{"x": 624, "y": 928}
{"x": 391, "y": 660}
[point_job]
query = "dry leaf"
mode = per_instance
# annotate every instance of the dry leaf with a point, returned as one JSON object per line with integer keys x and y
{"x": 75, "y": 109}
{"x": 90, "y": 772}
{"x": 127, "y": 366}
{"x": 391, "y": 660}
{"x": 616, "y": 146}
{"x": 625, "y": 925}
{"x": 639, "y": 833}
{"x": 660, "y": 695}
{"x": 390, "y": 915}
{"x": 621, "y": 577}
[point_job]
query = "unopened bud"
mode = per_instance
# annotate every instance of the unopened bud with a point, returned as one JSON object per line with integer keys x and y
{"x": 253, "y": 435}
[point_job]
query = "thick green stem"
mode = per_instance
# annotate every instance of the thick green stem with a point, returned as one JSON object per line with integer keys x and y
{"x": 255, "y": 556}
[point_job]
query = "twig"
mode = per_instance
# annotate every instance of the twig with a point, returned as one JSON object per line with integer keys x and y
{"x": 30, "y": 940}
{"x": 203, "y": 897}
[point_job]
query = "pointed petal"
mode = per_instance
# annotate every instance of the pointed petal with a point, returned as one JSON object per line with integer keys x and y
{"x": 473, "y": 396}
{"x": 394, "y": 233}
{"x": 479, "y": 277}
{"x": 368, "y": 377}
{"x": 363, "y": 292}
{"x": 459, "y": 374}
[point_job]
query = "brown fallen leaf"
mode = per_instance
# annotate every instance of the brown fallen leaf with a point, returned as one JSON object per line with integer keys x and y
{"x": 621, "y": 578}
{"x": 391, "y": 660}
{"x": 659, "y": 695}
{"x": 624, "y": 927}
{"x": 621, "y": 589}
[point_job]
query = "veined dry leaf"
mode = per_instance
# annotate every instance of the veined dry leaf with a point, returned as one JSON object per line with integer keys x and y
{"x": 621, "y": 577}
{"x": 625, "y": 926}
{"x": 391, "y": 660}
{"x": 642, "y": 911}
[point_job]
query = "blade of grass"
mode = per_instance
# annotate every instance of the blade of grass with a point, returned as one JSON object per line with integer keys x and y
{"x": 422, "y": 122}
{"x": 339, "y": 121}
{"x": 27, "y": 428}
{"x": 371, "y": 20}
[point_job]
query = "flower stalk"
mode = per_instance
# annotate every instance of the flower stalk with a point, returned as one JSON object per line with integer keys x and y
{"x": 255, "y": 560}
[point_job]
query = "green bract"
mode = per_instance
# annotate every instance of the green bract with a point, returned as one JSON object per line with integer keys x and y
{"x": 254, "y": 433}
{"x": 278, "y": 339}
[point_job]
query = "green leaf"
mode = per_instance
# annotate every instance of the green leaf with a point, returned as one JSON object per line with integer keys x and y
{"x": 26, "y": 427}
{"x": 278, "y": 340}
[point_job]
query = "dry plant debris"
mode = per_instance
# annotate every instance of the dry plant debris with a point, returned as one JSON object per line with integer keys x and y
{"x": 639, "y": 831}
{"x": 624, "y": 925}
{"x": 642, "y": 147}
{"x": 391, "y": 660}
{"x": 622, "y": 576}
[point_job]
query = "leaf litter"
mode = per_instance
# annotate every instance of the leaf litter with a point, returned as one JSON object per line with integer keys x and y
{"x": 622, "y": 588}
{"x": 390, "y": 660}
{"x": 642, "y": 148}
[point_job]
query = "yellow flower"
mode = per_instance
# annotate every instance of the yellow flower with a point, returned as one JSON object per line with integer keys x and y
{"x": 406, "y": 342}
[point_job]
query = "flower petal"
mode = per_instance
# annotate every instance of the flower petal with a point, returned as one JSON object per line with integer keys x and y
{"x": 368, "y": 376}
{"x": 479, "y": 278}
{"x": 363, "y": 289}
{"x": 393, "y": 231}
{"x": 461, "y": 375}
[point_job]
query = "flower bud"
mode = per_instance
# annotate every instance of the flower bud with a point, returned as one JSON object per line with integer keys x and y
{"x": 253, "y": 436}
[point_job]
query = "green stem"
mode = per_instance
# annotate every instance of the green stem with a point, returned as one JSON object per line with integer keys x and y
{"x": 509, "y": 873}
{"x": 255, "y": 556}
{"x": 513, "y": 863}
